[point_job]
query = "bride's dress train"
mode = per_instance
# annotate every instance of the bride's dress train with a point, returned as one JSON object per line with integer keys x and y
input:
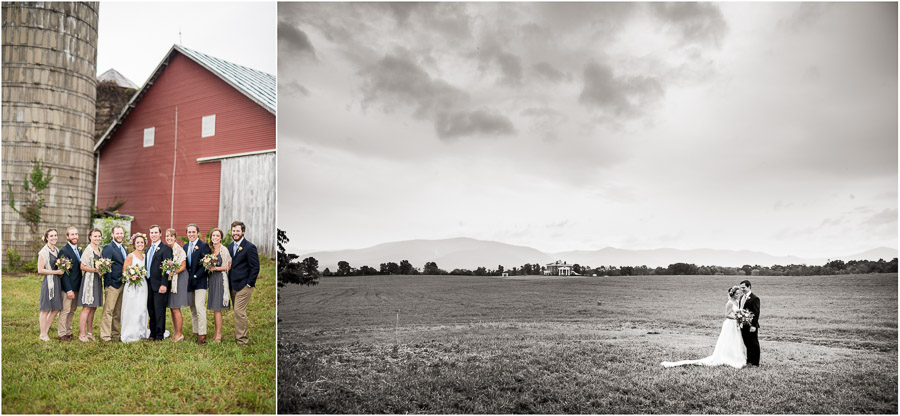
{"x": 729, "y": 349}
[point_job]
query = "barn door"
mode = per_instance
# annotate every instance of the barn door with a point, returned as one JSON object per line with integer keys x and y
{"x": 247, "y": 193}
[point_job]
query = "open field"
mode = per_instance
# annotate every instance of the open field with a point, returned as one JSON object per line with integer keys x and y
{"x": 454, "y": 344}
{"x": 139, "y": 377}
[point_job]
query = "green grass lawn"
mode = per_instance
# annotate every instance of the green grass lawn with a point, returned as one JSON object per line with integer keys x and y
{"x": 445, "y": 344}
{"x": 139, "y": 377}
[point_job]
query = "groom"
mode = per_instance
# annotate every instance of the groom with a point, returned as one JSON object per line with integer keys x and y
{"x": 157, "y": 296}
{"x": 750, "y": 333}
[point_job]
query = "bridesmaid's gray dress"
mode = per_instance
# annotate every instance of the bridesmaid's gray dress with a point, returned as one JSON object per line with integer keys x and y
{"x": 97, "y": 289}
{"x": 54, "y": 304}
{"x": 216, "y": 290}
{"x": 183, "y": 298}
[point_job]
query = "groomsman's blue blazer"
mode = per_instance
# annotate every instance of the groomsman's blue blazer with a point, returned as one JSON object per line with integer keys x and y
{"x": 197, "y": 274}
{"x": 114, "y": 277}
{"x": 244, "y": 265}
{"x": 71, "y": 280}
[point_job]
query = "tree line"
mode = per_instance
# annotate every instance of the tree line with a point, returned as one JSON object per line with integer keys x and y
{"x": 306, "y": 271}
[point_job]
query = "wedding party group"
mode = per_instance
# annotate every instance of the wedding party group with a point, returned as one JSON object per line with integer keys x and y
{"x": 738, "y": 343}
{"x": 136, "y": 288}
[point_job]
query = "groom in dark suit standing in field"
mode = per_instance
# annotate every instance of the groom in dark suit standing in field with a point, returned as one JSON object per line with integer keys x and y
{"x": 244, "y": 270}
{"x": 157, "y": 295}
{"x": 750, "y": 333}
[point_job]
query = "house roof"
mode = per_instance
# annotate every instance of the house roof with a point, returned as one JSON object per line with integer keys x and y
{"x": 256, "y": 85}
{"x": 119, "y": 79}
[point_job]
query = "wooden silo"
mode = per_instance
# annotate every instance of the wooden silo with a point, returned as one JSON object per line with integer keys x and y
{"x": 49, "y": 90}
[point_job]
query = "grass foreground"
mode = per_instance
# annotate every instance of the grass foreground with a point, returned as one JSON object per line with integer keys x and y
{"x": 138, "y": 377}
{"x": 439, "y": 344}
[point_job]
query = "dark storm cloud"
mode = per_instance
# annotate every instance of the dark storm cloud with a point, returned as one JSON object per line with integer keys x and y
{"x": 548, "y": 72}
{"x": 293, "y": 88}
{"x": 696, "y": 22}
{"x": 471, "y": 123}
{"x": 294, "y": 40}
{"x": 490, "y": 52}
{"x": 601, "y": 18}
{"x": 397, "y": 80}
{"x": 618, "y": 95}
{"x": 806, "y": 15}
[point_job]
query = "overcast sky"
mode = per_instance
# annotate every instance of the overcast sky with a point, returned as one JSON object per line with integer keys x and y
{"x": 134, "y": 37}
{"x": 765, "y": 126}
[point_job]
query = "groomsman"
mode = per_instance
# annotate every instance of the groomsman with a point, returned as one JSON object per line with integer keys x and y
{"x": 198, "y": 281}
{"x": 71, "y": 284}
{"x": 111, "y": 320}
{"x": 157, "y": 293}
{"x": 244, "y": 270}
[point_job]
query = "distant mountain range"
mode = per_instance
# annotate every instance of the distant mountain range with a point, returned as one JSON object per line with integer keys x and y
{"x": 468, "y": 253}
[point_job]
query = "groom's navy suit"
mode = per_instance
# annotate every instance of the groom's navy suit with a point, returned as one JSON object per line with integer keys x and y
{"x": 156, "y": 302}
{"x": 751, "y": 339}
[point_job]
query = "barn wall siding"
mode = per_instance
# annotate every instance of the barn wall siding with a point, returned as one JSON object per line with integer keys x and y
{"x": 143, "y": 176}
{"x": 247, "y": 194}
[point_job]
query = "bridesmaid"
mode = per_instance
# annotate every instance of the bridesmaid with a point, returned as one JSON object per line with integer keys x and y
{"x": 91, "y": 294}
{"x": 179, "y": 297}
{"x": 51, "y": 289}
{"x": 219, "y": 295}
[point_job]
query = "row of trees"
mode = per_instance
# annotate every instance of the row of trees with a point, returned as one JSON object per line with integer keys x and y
{"x": 431, "y": 268}
{"x": 306, "y": 271}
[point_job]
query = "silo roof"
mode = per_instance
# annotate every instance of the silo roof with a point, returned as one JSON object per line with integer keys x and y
{"x": 118, "y": 78}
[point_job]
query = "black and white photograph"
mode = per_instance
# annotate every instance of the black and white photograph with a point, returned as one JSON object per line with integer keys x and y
{"x": 599, "y": 208}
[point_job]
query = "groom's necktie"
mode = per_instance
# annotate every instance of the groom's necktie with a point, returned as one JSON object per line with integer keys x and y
{"x": 149, "y": 258}
{"x": 190, "y": 252}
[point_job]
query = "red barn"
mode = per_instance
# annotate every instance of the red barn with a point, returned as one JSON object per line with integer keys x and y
{"x": 196, "y": 144}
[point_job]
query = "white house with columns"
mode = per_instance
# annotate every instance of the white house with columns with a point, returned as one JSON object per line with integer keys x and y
{"x": 558, "y": 268}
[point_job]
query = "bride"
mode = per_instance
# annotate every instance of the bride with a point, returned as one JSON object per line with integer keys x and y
{"x": 730, "y": 348}
{"x": 134, "y": 297}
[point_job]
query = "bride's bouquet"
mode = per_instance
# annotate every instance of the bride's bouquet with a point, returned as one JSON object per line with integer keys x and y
{"x": 103, "y": 265}
{"x": 134, "y": 275}
{"x": 209, "y": 261}
{"x": 168, "y": 267}
{"x": 743, "y": 317}
{"x": 64, "y": 264}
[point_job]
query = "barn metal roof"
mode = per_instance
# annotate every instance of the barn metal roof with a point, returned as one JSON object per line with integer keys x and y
{"x": 256, "y": 85}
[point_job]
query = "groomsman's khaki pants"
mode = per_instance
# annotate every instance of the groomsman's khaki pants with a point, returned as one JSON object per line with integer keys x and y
{"x": 198, "y": 312}
{"x": 64, "y": 324}
{"x": 111, "y": 322}
{"x": 240, "y": 300}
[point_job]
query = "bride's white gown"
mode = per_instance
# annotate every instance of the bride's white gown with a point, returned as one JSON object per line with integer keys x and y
{"x": 729, "y": 350}
{"x": 135, "y": 318}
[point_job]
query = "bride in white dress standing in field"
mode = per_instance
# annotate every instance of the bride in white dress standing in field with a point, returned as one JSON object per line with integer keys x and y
{"x": 730, "y": 348}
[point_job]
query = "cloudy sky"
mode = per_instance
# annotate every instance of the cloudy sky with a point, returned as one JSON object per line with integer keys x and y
{"x": 135, "y": 36}
{"x": 768, "y": 127}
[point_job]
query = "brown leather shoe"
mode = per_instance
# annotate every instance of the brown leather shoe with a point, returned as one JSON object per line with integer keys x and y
{"x": 201, "y": 340}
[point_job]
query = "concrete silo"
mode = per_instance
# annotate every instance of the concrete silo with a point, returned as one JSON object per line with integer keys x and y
{"x": 49, "y": 90}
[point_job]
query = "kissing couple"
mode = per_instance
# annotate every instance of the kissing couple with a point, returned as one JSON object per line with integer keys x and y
{"x": 738, "y": 343}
